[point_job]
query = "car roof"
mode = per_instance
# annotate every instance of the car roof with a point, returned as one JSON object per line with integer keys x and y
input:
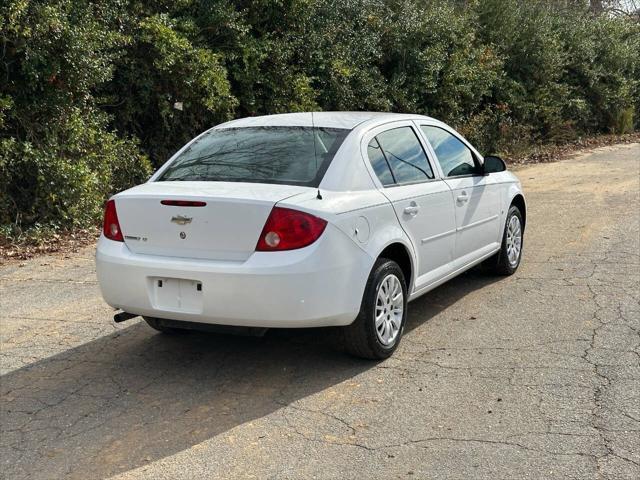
{"x": 348, "y": 120}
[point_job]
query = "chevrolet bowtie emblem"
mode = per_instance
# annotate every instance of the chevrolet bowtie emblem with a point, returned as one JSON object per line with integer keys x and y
{"x": 180, "y": 220}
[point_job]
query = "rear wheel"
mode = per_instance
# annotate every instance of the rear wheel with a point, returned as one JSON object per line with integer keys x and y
{"x": 376, "y": 332}
{"x": 157, "y": 324}
{"x": 507, "y": 260}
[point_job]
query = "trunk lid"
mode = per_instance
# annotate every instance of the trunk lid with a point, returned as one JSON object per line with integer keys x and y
{"x": 226, "y": 228}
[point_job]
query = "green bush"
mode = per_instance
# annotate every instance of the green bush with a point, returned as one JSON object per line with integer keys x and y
{"x": 92, "y": 94}
{"x": 65, "y": 181}
{"x": 160, "y": 67}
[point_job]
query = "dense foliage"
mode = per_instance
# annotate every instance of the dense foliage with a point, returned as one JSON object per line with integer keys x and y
{"x": 94, "y": 95}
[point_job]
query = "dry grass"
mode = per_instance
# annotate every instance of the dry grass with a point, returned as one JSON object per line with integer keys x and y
{"x": 553, "y": 153}
{"x": 63, "y": 242}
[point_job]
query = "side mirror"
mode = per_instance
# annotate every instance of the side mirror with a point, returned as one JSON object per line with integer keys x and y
{"x": 493, "y": 164}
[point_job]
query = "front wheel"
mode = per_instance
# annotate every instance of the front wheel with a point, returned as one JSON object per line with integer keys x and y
{"x": 507, "y": 260}
{"x": 376, "y": 332}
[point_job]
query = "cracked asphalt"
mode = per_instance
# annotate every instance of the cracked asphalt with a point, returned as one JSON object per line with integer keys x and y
{"x": 532, "y": 376}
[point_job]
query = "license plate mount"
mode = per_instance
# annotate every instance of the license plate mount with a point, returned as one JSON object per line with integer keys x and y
{"x": 176, "y": 294}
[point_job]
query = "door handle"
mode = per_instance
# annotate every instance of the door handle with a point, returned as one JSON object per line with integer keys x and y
{"x": 463, "y": 197}
{"x": 412, "y": 209}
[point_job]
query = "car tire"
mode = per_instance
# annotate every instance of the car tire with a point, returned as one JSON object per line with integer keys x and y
{"x": 156, "y": 324}
{"x": 507, "y": 260}
{"x": 371, "y": 339}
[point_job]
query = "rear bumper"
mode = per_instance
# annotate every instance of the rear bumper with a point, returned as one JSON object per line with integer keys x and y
{"x": 320, "y": 285}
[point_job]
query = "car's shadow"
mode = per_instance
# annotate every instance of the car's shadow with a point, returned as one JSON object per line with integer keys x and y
{"x": 135, "y": 396}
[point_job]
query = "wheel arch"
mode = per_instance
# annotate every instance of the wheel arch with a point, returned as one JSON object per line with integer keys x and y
{"x": 400, "y": 253}
{"x": 518, "y": 201}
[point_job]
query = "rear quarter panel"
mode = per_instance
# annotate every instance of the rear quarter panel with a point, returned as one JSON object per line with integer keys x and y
{"x": 366, "y": 217}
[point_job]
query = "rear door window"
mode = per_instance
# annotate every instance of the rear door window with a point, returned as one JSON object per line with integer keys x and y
{"x": 379, "y": 163}
{"x": 405, "y": 155}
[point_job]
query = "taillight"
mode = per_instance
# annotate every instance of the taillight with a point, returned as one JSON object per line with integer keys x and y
{"x": 288, "y": 229}
{"x": 111, "y": 226}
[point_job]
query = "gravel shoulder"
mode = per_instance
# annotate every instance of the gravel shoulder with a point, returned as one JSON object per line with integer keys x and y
{"x": 532, "y": 376}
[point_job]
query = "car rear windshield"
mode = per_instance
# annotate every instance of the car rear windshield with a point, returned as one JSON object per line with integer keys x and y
{"x": 285, "y": 155}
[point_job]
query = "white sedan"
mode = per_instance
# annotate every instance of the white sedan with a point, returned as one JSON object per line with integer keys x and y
{"x": 309, "y": 220}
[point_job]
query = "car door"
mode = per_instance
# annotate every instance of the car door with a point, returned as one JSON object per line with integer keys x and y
{"x": 476, "y": 196}
{"x": 422, "y": 201}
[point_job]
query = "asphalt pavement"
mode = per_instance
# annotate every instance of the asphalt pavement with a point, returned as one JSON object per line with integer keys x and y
{"x": 532, "y": 376}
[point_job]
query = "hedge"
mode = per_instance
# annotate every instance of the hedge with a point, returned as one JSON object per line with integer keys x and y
{"x": 88, "y": 90}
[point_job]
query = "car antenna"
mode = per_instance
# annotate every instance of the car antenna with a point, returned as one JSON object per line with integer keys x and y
{"x": 315, "y": 150}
